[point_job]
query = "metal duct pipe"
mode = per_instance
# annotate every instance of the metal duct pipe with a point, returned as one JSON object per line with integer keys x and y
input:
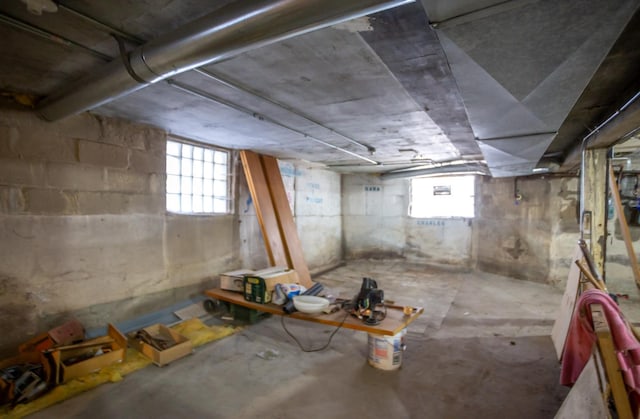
{"x": 236, "y": 28}
{"x": 454, "y": 169}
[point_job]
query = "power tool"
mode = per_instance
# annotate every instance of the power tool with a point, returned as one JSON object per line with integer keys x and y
{"x": 368, "y": 305}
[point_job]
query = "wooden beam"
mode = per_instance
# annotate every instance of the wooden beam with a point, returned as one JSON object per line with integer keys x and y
{"x": 264, "y": 208}
{"x": 624, "y": 227}
{"x": 288, "y": 230}
{"x": 595, "y": 202}
{"x": 626, "y": 121}
{"x": 610, "y": 360}
{"x": 587, "y": 274}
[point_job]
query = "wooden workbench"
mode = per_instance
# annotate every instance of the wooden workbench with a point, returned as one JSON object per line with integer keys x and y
{"x": 393, "y": 323}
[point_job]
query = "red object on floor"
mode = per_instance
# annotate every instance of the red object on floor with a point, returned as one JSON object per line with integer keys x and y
{"x": 582, "y": 337}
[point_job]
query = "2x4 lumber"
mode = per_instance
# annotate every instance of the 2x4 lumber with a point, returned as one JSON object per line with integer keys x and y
{"x": 611, "y": 364}
{"x": 624, "y": 227}
{"x": 592, "y": 279}
{"x": 285, "y": 220}
{"x": 264, "y": 208}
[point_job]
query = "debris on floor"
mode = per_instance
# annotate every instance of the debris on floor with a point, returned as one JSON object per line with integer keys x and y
{"x": 194, "y": 330}
{"x": 268, "y": 354}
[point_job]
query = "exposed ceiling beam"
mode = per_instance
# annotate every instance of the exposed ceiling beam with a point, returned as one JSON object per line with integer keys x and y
{"x": 618, "y": 126}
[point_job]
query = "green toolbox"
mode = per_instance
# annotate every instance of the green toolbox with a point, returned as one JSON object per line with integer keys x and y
{"x": 255, "y": 290}
{"x": 259, "y": 285}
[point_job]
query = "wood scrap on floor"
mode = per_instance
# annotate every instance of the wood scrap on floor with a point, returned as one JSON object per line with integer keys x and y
{"x": 194, "y": 330}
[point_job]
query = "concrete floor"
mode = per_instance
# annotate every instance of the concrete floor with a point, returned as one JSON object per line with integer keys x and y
{"x": 481, "y": 349}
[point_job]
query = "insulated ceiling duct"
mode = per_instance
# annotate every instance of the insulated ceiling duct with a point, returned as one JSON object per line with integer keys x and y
{"x": 521, "y": 65}
{"x": 229, "y": 31}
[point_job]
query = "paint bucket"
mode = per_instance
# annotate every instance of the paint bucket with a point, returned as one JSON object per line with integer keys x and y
{"x": 385, "y": 352}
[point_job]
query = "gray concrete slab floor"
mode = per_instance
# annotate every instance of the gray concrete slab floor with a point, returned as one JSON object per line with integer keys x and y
{"x": 481, "y": 350}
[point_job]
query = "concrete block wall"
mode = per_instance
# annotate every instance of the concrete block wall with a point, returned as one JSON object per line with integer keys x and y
{"x": 318, "y": 214}
{"x": 565, "y": 228}
{"x": 376, "y": 224}
{"x": 83, "y": 227}
{"x": 532, "y": 239}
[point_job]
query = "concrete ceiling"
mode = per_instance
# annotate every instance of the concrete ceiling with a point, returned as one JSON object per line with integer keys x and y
{"x": 423, "y": 85}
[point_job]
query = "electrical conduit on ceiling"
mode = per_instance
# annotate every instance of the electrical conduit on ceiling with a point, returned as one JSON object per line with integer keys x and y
{"x": 236, "y": 28}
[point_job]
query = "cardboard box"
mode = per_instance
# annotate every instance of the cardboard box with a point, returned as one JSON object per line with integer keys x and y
{"x": 180, "y": 348}
{"x": 232, "y": 281}
{"x": 78, "y": 360}
{"x": 283, "y": 277}
{"x": 259, "y": 286}
{"x": 65, "y": 334}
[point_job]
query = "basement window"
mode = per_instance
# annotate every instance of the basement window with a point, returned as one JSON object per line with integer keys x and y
{"x": 442, "y": 197}
{"x": 197, "y": 179}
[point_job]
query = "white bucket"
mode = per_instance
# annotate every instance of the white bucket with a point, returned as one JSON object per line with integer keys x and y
{"x": 385, "y": 352}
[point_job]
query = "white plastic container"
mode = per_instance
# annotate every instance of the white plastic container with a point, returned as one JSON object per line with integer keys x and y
{"x": 385, "y": 352}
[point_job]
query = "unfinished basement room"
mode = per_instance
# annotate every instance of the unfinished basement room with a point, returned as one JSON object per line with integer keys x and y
{"x": 293, "y": 209}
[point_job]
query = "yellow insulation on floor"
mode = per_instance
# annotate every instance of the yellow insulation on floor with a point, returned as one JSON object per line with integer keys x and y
{"x": 193, "y": 329}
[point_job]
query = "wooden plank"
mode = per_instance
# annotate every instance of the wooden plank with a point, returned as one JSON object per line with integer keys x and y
{"x": 393, "y": 324}
{"x": 624, "y": 227}
{"x": 587, "y": 274}
{"x": 567, "y": 304}
{"x": 595, "y": 202}
{"x": 585, "y": 399}
{"x": 288, "y": 229}
{"x": 264, "y": 208}
{"x": 624, "y": 123}
{"x": 610, "y": 360}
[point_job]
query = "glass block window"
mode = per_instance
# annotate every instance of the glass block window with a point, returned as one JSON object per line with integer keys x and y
{"x": 197, "y": 179}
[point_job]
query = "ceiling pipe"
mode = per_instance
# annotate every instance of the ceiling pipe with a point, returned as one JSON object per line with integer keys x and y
{"x": 583, "y": 154}
{"x": 236, "y": 28}
{"x": 454, "y": 169}
{"x": 50, "y": 36}
{"x": 216, "y": 99}
{"x": 241, "y": 88}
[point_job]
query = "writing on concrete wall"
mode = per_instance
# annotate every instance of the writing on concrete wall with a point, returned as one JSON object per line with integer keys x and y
{"x": 314, "y": 199}
{"x": 430, "y": 222}
{"x": 372, "y": 188}
{"x": 287, "y": 169}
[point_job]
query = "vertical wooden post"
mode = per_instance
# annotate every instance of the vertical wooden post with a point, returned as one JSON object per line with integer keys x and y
{"x": 595, "y": 202}
{"x": 611, "y": 364}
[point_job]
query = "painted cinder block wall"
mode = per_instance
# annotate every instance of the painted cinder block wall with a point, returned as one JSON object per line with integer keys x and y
{"x": 531, "y": 239}
{"x": 84, "y": 231}
{"x": 376, "y": 225}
